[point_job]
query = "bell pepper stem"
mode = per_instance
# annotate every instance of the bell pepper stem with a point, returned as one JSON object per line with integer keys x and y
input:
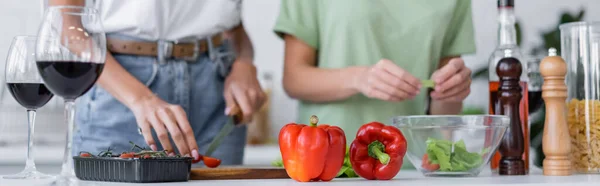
{"x": 377, "y": 151}
{"x": 314, "y": 120}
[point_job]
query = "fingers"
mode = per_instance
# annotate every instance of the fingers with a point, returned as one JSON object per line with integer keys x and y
{"x": 453, "y": 89}
{"x": 387, "y": 81}
{"x": 391, "y": 93}
{"x": 448, "y": 95}
{"x": 229, "y": 100}
{"x": 395, "y": 93}
{"x": 457, "y": 78}
{"x": 186, "y": 129}
{"x": 378, "y": 94}
{"x": 453, "y": 81}
{"x": 161, "y": 132}
{"x": 257, "y": 97}
{"x": 168, "y": 119}
{"x": 454, "y": 65}
{"x": 459, "y": 97}
{"x": 403, "y": 88}
{"x": 400, "y": 73}
{"x": 248, "y": 99}
{"x": 241, "y": 98}
{"x": 147, "y": 133}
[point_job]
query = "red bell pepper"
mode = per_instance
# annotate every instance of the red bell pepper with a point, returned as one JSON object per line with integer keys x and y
{"x": 377, "y": 151}
{"x": 312, "y": 153}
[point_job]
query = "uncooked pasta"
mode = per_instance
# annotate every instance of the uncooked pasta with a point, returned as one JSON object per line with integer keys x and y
{"x": 583, "y": 119}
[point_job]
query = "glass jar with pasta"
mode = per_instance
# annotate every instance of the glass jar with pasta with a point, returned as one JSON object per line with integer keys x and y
{"x": 580, "y": 48}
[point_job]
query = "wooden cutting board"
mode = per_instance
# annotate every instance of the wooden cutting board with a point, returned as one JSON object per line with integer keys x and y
{"x": 223, "y": 173}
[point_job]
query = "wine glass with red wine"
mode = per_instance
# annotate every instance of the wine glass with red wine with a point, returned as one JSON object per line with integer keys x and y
{"x": 70, "y": 54}
{"x": 27, "y": 87}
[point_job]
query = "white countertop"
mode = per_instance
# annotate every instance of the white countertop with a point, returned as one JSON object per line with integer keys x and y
{"x": 263, "y": 155}
{"x": 408, "y": 178}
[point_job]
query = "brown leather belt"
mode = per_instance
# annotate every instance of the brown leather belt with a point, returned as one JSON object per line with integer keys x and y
{"x": 189, "y": 50}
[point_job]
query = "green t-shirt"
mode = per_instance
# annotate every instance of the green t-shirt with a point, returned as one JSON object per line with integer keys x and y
{"x": 415, "y": 34}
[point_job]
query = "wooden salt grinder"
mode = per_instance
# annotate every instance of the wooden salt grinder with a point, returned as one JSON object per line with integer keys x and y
{"x": 555, "y": 142}
{"x": 509, "y": 94}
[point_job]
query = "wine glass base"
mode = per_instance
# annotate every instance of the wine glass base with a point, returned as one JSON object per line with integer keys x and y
{"x": 65, "y": 181}
{"x": 28, "y": 175}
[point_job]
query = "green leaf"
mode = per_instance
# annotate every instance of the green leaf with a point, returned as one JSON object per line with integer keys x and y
{"x": 428, "y": 83}
{"x": 580, "y": 16}
{"x": 350, "y": 173}
{"x": 277, "y": 163}
{"x": 465, "y": 159}
{"x": 342, "y": 171}
{"x": 472, "y": 111}
{"x": 566, "y": 18}
{"x": 452, "y": 156}
{"x": 460, "y": 144}
{"x": 439, "y": 153}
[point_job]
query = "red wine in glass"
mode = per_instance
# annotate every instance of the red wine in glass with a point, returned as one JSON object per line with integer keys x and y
{"x": 69, "y": 79}
{"x": 26, "y": 86}
{"x": 30, "y": 95}
{"x": 70, "y": 55}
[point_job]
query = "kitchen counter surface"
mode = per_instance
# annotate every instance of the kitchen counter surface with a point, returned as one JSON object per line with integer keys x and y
{"x": 407, "y": 177}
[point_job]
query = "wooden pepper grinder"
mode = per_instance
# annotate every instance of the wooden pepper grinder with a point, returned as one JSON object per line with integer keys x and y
{"x": 556, "y": 142}
{"x": 509, "y": 95}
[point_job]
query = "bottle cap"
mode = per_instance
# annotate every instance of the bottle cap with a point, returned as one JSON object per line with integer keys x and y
{"x": 552, "y": 51}
{"x": 506, "y": 3}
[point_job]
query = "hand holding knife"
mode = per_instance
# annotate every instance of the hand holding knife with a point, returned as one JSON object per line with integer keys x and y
{"x": 235, "y": 116}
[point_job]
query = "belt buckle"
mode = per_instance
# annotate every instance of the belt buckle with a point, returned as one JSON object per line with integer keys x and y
{"x": 194, "y": 56}
{"x": 165, "y": 50}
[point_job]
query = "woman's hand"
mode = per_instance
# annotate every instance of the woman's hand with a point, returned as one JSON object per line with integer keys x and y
{"x": 153, "y": 113}
{"x": 242, "y": 87}
{"x": 452, "y": 81}
{"x": 387, "y": 81}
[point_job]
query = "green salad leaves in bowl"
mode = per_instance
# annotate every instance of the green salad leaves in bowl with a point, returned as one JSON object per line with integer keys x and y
{"x": 452, "y": 145}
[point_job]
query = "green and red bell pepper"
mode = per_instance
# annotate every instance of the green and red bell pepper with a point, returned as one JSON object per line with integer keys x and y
{"x": 377, "y": 151}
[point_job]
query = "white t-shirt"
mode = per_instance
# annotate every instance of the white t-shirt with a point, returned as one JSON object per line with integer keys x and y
{"x": 169, "y": 19}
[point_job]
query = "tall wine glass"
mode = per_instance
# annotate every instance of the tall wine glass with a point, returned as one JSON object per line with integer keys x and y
{"x": 70, "y": 54}
{"x": 26, "y": 86}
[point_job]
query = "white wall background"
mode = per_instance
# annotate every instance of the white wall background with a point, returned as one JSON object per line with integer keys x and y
{"x": 22, "y": 17}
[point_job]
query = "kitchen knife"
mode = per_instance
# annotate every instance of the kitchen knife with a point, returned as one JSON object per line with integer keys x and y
{"x": 235, "y": 116}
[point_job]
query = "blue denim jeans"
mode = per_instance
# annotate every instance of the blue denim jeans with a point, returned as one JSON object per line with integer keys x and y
{"x": 103, "y": 122}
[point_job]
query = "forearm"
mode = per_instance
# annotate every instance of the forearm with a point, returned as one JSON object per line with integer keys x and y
{"x": 242, "y": 45}
{"x": 303, "y": 80}
{"x": 121, "y": 84}
{"x": 445, "y": 108}
{"x": 315, "y": 84}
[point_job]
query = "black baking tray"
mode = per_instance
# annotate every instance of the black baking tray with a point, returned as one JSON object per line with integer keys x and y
{"x": 133, "y": 170}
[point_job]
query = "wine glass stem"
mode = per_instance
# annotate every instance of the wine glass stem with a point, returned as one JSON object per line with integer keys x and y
{"x": 29, "y": 164}
{"x": 67, "y": 166}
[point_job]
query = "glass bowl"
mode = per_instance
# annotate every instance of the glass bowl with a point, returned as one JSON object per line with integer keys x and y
{"x": 451, "y": 145}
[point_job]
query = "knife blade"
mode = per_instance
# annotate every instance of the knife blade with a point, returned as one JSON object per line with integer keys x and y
{"x": 232, "y": 120}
